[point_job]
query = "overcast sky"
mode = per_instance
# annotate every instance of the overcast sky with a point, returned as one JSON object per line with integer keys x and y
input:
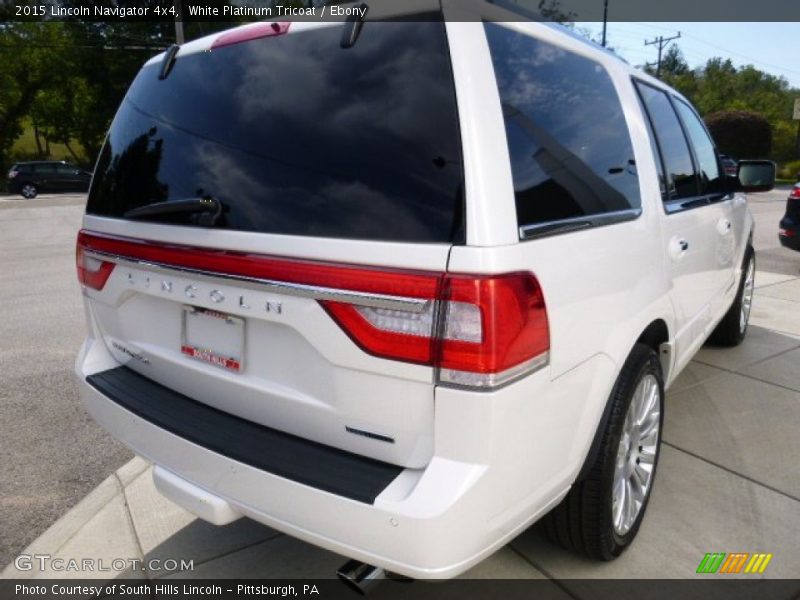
{"x": 771, "y": 47}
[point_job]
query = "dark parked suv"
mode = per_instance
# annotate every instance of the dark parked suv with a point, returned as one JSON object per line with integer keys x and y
{"x": 30, "y": 178}
{"x": 789, "y": 232}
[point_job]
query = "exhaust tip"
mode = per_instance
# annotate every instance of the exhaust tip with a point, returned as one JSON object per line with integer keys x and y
{"x": 360, "y": 577}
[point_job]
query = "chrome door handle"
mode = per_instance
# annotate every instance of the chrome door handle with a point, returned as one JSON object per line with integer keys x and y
{"x": 678, "y": 248}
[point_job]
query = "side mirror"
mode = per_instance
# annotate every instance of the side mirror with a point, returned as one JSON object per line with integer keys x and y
{"x": 756, "y": 175}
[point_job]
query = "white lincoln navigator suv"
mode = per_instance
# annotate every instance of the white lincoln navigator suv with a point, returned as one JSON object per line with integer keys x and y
{"x": 402, "y": 288}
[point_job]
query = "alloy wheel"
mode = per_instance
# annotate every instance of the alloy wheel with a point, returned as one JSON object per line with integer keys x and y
{"x": 747, "y": 295}
{"x": 636, "y": 455}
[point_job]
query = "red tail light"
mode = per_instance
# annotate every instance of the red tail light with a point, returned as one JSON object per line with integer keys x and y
{"x": 795, "y": 193}
{"x": 92, "y": 272}
{"x": 512, "y": 332}
{"x": 477, "y": 330}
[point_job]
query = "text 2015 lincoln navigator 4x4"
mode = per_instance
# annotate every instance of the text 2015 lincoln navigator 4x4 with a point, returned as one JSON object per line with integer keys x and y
{"x": 401, "y": 289}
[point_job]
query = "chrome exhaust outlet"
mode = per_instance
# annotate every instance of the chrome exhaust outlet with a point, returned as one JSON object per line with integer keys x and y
{"x": 360, "y": 577}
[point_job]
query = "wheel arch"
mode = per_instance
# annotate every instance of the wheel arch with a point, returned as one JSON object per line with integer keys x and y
{"x": 656, "y": 336}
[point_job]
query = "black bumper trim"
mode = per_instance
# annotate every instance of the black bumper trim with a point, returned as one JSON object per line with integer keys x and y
{"x": 310, "y": 463}
{"x": 791, "y": 242}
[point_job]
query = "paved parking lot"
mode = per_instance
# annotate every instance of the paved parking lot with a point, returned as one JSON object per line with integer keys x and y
{"x": 768, "y": 209}
{"x": 728, "y": 480}
{"x": 53, "y": 454}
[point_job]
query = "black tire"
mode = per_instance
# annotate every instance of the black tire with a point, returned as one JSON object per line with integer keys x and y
{"x": 29, "y": 191}
{"x": 730, "y": 331}
{"x": 584, "y": 521}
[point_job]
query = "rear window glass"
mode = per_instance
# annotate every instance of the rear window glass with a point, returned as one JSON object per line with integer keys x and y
{"x": 571, "y": 153}
{"x": 295, "y": 135}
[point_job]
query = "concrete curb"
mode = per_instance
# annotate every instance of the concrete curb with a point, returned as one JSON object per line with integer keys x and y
{"x": 62, "y": 531}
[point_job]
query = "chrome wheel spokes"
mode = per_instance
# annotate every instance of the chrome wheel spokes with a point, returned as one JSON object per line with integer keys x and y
{"x": 747, "y": 295}
{"x": 633, "y": 471}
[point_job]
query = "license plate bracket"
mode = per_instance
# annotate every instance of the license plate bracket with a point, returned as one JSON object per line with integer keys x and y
{"x": 213, "y": 337}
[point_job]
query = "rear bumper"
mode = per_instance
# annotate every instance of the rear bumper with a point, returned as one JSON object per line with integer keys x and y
{"x": 414, "y": 536}
{"x": 300, "y": 460}
{"x": 502, "y": 460}
{"x": 790, "y": 241}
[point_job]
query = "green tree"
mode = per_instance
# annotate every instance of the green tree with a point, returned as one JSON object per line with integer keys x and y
{"x": 741, "y": 133}
{"x": 720, "y": 86}
{"x": 28, "y": 64}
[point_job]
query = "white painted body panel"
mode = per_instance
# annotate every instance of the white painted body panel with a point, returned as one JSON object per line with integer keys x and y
{"x": 349, "y": 388}
{"x": 480, "y": 466}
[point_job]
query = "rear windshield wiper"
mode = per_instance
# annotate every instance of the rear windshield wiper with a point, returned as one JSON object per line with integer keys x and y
{"x": 210, "y": 209}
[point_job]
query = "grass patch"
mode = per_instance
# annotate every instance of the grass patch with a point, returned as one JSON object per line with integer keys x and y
{"x": 24, "y": 148}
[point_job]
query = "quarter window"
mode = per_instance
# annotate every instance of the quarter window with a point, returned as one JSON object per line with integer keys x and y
{"x": 571, "y": 153}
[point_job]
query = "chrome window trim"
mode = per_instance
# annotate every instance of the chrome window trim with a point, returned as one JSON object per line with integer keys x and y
{"x": 548, "y": 228}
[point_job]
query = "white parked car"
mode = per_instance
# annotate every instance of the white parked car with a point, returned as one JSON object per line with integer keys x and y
{"x": 402, "y": 290}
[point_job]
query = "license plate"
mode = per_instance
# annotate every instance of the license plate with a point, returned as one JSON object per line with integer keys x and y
{"x": 213, "y": 337}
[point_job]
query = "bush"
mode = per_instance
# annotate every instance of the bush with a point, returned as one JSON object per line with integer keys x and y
{"x": 741, "y": 133}
{"x": 784, "y": 141}
{"x": 790, "y": 170}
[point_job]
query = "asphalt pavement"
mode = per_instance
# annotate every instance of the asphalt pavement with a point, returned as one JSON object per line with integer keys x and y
{"x": 53, "y": 454}
{"x": 767, "y": 209}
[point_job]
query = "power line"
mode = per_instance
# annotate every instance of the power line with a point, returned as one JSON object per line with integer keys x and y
{"x": 740, "y": 55}
{"x": 711, "y": 45}
{"x": 662, "y": 43}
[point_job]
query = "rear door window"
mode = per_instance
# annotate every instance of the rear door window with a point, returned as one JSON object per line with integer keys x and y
{"x": 295, "y": 135}
{"x": 711, "y": 181}
{"x": 682, "y": 181}
{"x": 44, "y": 169}
{"x": 571, "y": 153}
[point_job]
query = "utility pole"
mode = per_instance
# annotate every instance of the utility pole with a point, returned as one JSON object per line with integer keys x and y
{"x": 662, "y": 43}
{"x": 178, "y": 22}
{"x": 605, "y": 21}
